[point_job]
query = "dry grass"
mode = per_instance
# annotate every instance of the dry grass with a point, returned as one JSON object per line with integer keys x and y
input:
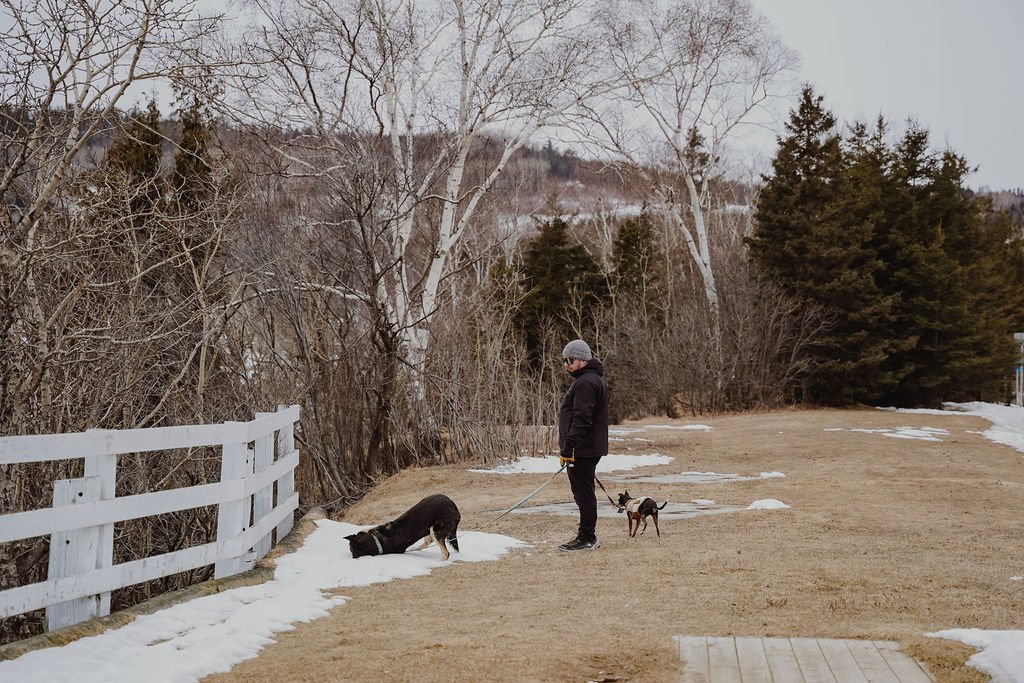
{"x": 886, "y": 539}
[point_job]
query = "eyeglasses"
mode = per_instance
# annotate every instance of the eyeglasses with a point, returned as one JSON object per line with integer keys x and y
{"x": 568, "y": 361}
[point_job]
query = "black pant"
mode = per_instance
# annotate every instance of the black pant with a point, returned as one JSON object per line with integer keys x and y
{"x": 581, "y": 481}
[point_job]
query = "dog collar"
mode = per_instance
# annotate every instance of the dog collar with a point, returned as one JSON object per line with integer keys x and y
{"x": 380, "y": 549}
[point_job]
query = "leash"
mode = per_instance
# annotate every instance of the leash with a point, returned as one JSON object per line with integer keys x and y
{"x": 614, "y": 504}
{"x": 566, "y": 462}
{"x": 535, "y": 492}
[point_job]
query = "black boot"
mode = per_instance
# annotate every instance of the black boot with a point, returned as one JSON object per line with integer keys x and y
{"x": 580, "y": 543}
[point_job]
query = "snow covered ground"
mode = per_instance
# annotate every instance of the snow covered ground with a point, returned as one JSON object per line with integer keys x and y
{"x": 548, "y": 464}
{"x": 689, "y": 478}
{"x": 213, "y": 633}
{"x": 1007, "y": 421}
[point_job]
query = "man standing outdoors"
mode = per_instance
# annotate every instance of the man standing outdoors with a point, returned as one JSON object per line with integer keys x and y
{"x": 583, "y": 435}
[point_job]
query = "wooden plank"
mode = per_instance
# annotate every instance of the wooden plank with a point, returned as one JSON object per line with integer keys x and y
{"x": 39, "y": 595}
{"x": 104, "y": 468}
{"x": 73, "y": 553}
{"x": 795, "y": 660}
{"x": 723, "y": 666}
{"x": 286, "y": 482}
{"x": 267, "y": 477}
{"x": 263, "y": 498}
{"x": 904, "y": 666}
{"x": 238, "y": 545}
{"x": 812, "y": 661}
{"x": 48, "y": 520}
{"x": 840, "y": 660}
{"x": 233, "y": 515}
{"x": 871, "y": 663}
{"x": 753, "y": 661}
{"x": 781, "y": 660}
{"x": 693, "y": 650}
{"x": 271, "y": 422}
{"x": 49, "y": 447}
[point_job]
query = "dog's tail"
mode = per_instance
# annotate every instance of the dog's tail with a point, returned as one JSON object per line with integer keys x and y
{"x": 660, "y": 507}
{"x": 454, "y": 541}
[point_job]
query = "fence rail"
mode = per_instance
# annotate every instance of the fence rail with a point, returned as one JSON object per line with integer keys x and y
{"x": 258, "y": 461}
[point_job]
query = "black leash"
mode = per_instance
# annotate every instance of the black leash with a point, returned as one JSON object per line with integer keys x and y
{"x": 616, "y": 505}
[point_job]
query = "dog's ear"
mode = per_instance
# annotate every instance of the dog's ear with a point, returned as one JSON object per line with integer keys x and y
{"x": 356, "y": 543}
{"x": 627, "y": 493}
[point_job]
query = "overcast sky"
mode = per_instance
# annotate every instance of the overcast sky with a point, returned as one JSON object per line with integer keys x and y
{"x": 957, "y": 66}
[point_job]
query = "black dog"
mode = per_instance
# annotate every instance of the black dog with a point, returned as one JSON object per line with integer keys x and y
{"x": 435, "y": 519}
{"x": 639, "y": 509}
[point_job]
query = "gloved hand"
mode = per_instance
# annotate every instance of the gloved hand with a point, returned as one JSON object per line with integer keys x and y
{"x": 567, "y": 458}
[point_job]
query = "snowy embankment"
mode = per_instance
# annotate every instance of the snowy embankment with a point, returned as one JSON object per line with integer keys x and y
{"x": 211, "y": 634}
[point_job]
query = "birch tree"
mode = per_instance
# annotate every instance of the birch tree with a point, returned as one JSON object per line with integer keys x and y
{"x": 409, "y": 91}
{"x": 691, "y": 73}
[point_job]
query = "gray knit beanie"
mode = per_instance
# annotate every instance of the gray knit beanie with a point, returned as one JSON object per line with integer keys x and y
{"x": 577, "y": 348}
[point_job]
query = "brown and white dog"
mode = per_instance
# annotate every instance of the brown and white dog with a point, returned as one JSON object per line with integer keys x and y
{"x": 638, "y": 510}
{"x": 435, "y": 519}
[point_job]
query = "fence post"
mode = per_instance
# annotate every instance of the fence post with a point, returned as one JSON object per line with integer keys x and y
{"x": 73, "y": 552}
{"x": 262, "y": 503}
{"x": 233, "y": 515}
{"x": 104, "y": 468}
{"x": 286, "y": 484}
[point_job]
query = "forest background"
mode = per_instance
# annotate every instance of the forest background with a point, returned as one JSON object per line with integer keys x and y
{"x": 357, "y": 207}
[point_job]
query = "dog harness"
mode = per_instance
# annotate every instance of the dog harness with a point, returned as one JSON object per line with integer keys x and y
{"x": 633, "y": 504}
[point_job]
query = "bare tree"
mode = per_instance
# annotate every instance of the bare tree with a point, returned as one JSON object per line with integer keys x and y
{"x": 109, "y": 297}
{"x": 66, "y": 69}
{"x": 387, "y": 124}
{"x": 691, "y": 72}
{"x": 425, "y": 85}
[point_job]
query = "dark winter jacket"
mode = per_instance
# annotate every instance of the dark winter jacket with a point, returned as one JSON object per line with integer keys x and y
{"x": 583, "y": 417}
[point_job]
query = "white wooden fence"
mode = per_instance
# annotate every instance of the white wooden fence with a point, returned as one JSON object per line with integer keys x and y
{"x": 255, "y": 485}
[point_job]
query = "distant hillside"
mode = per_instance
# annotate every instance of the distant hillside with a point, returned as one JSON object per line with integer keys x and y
{"x": 1011, "y": 201}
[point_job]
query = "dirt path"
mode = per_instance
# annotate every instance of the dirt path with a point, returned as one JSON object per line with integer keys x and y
{"x": 886, "y": 538}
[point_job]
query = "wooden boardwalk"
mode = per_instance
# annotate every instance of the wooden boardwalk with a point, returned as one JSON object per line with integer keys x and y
{"x": 795, "y": 660}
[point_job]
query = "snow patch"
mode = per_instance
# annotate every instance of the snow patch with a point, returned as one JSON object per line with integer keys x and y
{"x": 767, "y": 504}
{"x": 548, "y": 464}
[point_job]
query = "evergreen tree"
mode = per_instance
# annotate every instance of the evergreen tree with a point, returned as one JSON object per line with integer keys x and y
{"x": 191, "y": 178}
{"x": 864, "y": 208}
{"x": 134, "y": 156}
{"x": 922, "y": 290}
{"x": 813, "y": 231}
{"x": 997, "y": 296}
{"x": 563, "y": 286}
{"x": 797, "y": 197}
{"x": 636, "y": 275}
{"x": 932, "y": 240}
